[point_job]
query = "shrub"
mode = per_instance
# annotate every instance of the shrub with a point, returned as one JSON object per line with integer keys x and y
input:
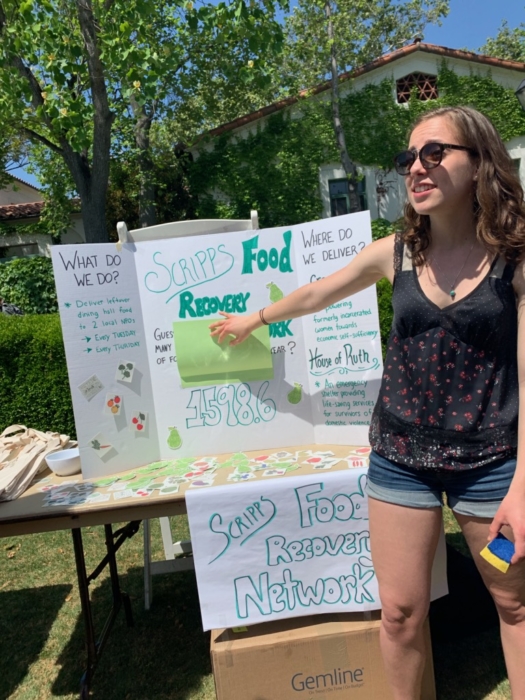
{"x": 34, "y": 383}
{"x": 381, "y": 228}
{"x": 29, "y": 283}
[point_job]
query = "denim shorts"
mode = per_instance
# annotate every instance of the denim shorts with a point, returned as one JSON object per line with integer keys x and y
{"x": 476, "y": 492}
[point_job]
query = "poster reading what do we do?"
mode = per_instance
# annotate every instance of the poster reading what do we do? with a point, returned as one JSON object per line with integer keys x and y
{"x": 149, "y": 383}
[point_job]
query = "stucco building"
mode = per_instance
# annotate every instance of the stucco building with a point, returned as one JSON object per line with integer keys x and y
{"x": 416, "y": 65}
{"x": 20, "y": 204}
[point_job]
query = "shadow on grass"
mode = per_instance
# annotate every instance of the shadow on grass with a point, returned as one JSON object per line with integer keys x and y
{"x": 166, "y": 653}
{"x": 468, "y": 658}
{"x": 26, "y": 618}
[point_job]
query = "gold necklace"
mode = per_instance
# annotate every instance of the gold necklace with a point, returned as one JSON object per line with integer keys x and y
{"x": 452, "y": 291}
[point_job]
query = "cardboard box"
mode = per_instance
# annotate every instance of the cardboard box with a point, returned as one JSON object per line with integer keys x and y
{"x": 323, "y": 657}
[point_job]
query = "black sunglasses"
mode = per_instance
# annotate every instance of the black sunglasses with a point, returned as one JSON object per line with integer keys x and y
{"x": 430, "y": 156}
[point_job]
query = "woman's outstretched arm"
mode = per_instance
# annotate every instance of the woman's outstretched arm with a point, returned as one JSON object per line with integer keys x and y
{"x": 372, "y": 264}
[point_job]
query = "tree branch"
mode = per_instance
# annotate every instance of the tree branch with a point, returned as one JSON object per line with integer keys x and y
{"x": 103, "y": 117}
{"x": 35, "y": 136}
{"x": 16, "y": 165}
{"x": 17, "y": 63}
{"x": 340, "y": 138}
{"x": 96, "y": 71}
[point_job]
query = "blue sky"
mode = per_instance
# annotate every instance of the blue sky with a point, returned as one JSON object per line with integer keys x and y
{"x": 468, "y": 25}
{"x": 471, "y": 22}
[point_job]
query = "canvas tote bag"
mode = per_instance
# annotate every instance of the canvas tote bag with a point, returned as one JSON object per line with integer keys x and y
{"x": 22, "y": 456}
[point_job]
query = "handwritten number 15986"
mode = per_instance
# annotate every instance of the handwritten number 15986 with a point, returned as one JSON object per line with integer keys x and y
{"x": 234, "y": 402}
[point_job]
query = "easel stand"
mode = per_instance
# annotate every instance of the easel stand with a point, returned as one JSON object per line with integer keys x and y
{"x": 170, "y": 564}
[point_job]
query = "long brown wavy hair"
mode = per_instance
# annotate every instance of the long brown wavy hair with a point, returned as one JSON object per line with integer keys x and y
{"x": 498, "y": 199}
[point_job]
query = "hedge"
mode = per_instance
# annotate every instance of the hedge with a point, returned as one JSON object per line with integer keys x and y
{"x": 29, "y": 283}
{"x": 34, "y": 385}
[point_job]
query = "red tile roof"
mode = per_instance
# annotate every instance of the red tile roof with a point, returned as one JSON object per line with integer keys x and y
{"x": 377, "y": 63}
{"x": 11, "y": 212}
{"x": 28, "y": 210}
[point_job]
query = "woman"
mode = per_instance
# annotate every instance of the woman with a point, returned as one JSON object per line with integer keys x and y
{"x": 446, "y": 419}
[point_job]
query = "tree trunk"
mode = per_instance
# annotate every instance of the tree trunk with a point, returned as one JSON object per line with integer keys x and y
{"x": 92, "y": 188}
{"x": 147, "y": 215}
{"x": 93, "y": 209}
{"x": 348, "y": 166}
{"x": 92, "y": 183}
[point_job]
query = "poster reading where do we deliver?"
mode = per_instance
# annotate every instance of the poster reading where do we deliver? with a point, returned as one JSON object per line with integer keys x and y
{"x": 147, "y": 380}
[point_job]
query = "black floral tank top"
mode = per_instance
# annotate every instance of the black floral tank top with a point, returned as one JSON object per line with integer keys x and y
{"x": 449, "y": 393}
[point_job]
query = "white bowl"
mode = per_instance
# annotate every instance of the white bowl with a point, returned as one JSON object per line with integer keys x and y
{"x": 64, "y": 462}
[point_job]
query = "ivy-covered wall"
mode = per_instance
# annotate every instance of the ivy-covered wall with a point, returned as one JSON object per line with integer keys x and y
{"x": 276, "y": 169}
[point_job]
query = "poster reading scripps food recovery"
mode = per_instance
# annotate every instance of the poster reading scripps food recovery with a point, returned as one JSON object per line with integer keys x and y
{"x": 149, "y": 383}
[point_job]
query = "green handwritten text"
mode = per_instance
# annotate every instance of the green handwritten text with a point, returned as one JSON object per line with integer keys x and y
{"x": 206, "y": 306}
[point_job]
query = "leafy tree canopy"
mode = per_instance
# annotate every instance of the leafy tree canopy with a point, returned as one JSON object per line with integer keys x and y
{"x": 508, "y": 43}
{"x": 82, "y": 77}
{"x": 363, "y": 30}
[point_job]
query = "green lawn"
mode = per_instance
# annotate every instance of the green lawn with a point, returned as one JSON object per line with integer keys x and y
{"x": 166, "y": 654}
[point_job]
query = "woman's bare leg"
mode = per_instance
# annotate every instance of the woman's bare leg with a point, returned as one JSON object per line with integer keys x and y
{"x": 508, "y": 591}
{"x": 403, "y": 542}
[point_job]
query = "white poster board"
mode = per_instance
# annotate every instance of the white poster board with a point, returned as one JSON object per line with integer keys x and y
{"x": 286, "y": 548}
{"x": 147, "y": 381}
